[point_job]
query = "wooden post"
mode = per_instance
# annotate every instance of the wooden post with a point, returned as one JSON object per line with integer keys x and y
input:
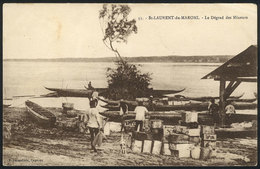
{"x": 222, "y": 101}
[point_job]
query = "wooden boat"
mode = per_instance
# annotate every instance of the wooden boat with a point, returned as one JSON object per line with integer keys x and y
{"x": 236, "y": 132}
{"x": 40, "y": 114}
{"x": 187, "y": 107}
{"x": 205, "y": 98}
{"x": 179, "y": 98}
{"x": 72, "y": 92}
{"x": 6, "y": 105}
{"x": 103, "y": 92}
{"x": 172, "y": 118}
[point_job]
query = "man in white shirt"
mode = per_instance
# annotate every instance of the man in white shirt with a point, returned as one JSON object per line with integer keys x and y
{"x": 140, "y": 111}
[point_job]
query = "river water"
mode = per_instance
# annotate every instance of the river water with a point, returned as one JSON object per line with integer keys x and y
{"x": 29, "y": 78}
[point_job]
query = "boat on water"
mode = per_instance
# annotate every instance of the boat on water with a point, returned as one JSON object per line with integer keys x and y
{"x": 186, "y": 106}
{"x": 172, "y": 118}
{"x": 41, "y": 115}
{"x": 102, "y": 92}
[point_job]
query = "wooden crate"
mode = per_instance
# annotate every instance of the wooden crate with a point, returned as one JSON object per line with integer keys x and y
{"x": 129, "y": 128}
{"x": 156, "y": 124}
{"x": 207, "y": 129}
{"x": 139, "y": 135}
{"x": 181, "y": 153}
{"x": 129, "y": 122}
{"x": 168, "y": 129}
{"x": 194, "y": 140}
{"x": 209, "y": 137}
{"x": 173, "y": 146}
{"x": 157, "y": 134}
{"x": 212, "y": 144}
{"x": 137, "y": 146}
{"x": 147, "y": 147}
{"x": 195, "y": 152}
{"x": 157, "y": 146}
{"x": 178, "y": 138}
{"x": 180, "y": 129}
{"x": 193, "y": 132}
{"x": 189, "y": 117}
{"x": 191, "y": 125}
{"x": 166, "y": 149}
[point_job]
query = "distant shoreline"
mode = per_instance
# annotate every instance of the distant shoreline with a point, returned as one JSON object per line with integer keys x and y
{"x": 152, "y": 59}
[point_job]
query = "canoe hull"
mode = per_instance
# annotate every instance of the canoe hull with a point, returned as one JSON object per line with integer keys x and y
{"x": 186, "y": 107}
{"x": 40, "y": 115}
{"x": 103, "y": 92}
{"x": 174, "y": 117}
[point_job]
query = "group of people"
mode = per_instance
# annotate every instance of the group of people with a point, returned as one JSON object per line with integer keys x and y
{"x": 140, "y": 112}
{"x": 95, "y": 123}
{"x": 214, "y": 110}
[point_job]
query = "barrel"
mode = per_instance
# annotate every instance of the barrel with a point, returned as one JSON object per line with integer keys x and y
{"x": 155, "y": 124}
{"x": 67, "y": 106}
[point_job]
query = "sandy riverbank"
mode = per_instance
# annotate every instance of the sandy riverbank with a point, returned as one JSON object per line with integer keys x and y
{"x": 33, "y": 145}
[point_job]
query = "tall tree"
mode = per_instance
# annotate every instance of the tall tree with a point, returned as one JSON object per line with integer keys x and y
{"x": 126, "y": 81}
{"x": 115, "y": 25}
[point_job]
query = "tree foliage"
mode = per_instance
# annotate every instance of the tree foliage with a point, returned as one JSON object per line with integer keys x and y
{"x": 126, "y": 81}
{"x": 115, "y": 25}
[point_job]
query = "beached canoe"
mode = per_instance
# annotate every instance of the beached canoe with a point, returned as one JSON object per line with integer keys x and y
{"x": 102, "y": 92}
{"x": 6, "y": 105}
{"x": 236, "y": 132}
{"x": 74, "y": 92}
{"x": 187, "y": 107}
{"x": 172, "y": 118}
{"x": 201, "y": 99}
{"x": 178, "y": 98}
{"x": 41, "y": 115}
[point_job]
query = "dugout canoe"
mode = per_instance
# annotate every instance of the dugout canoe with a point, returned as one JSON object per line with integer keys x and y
{"x": 74, "y": 92}
{"x": 172, "y": 118}
{"x": 208, "y": 98}
{"x": 186, "y": 107}
{"x": 102, "y": 92}
{"x": 178, "y": 98}
{"x": 40, "y": 115}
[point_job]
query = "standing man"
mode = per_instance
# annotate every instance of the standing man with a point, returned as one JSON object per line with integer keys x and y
{"x": 93, "y": 122}
{"x": 140, "y": 111}
{"x": 123, "y": 111}
{"x": 151, "y": 104}
{"x": 214, "y": 111}
{"x": 90, "y": 87}
{"x": 230, "y": 109}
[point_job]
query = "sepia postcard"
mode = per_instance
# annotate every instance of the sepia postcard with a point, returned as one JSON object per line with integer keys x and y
{"x": 162, "y": 84}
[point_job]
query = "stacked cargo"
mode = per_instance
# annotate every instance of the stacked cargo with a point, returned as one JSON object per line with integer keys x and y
{"x": 182, "y": 137}
{"x": 188, "y": 139}
{"x": 149, "y": 139}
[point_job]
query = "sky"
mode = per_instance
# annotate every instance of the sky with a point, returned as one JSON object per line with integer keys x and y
{"x": 73, "y": 30}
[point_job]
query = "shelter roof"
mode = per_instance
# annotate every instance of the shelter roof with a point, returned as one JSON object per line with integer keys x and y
{"x": 242, "y": 65}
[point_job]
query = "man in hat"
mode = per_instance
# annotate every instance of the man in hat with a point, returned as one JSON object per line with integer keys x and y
{"x": 140, "y": 111}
